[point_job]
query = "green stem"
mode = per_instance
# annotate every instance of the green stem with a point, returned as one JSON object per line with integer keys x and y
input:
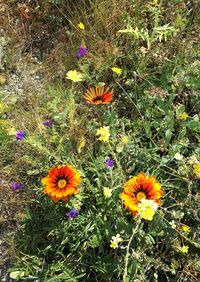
{"x": 71, "y": 104}
{"x": 156, "y": 24}
{"x": 197, "y": 245}
{"x": 116, "y": 160}
{"x": 128, "y": 250}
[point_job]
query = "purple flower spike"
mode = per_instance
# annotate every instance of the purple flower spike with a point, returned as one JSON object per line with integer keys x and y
{"x": 82, "y": 52}
{"x": 16, "y": 186}
{"x": 109, "y": 163}
{"x": 48, "y": 123}
{"x": 20, "y": 135}
{"x": 73, "y": 213}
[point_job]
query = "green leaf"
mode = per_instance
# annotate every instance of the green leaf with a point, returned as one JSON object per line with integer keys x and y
{"x": 17, "y": 274}
{"x": 131, "y": 270}
{"x": 168, "y": 135}
{"x": 162, "y": 105}
{"x": 194, "y": 124}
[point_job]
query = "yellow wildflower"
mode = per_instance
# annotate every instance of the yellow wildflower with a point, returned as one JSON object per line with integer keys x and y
{"x": 118, "y": 71}
{"x": 196, "y": 169}
{"x": 74, "y": 75}
{"x": 147, "y": 209}
{"x": 107, "y": 192}
{"x": 185, "y": 228}
{"x": 113, "y": 244}
{"x": 115, "y": 241}
{"x": 81, "y": 144}
{"x": 183, "y": 116}
{"x": 119, "y": 148}
{"x": 81, "y": 26}
{"x": 125, "y": 140}
{"x": 184, "y": 249}
{"x": 104, "y": 133}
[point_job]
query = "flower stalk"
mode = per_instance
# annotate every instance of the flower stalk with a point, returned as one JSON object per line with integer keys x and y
{"x": 71, "y": 105}
{"x": 128, "y": 250}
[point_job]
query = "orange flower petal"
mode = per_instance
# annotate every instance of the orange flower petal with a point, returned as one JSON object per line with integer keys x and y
{"x": 63, "y": 172}
{"x": 97, "y": 96}
{"x": 140, "y": 184}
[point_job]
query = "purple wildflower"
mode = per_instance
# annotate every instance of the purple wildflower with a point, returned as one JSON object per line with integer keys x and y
{"x": 82, "y": 52}
{"x": 16, "y": 186}
{"x": 109, "y": 163}
{"x": 48, "y": 123}
{"x": 20, "y": 135}
{"x": 73, "y": 213}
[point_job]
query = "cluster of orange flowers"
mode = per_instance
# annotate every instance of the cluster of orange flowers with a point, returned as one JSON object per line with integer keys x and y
{"x": 63, "y": 181}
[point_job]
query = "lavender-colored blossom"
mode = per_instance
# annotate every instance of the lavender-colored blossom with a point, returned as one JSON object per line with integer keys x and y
{"x": 73, "y": 213}
{"x": 20, "y": 135}
{"x": 82, "y": 52}
{"x": 109, "y": 163}
{"x": 48, "y": 123}
{"x": 16, "y": 186}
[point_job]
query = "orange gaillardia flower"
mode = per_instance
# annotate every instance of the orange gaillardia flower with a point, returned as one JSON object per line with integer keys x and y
{"x": 98, "y": 95}
{"x": 140, "y": 187}
{"x": 61, "y": 182}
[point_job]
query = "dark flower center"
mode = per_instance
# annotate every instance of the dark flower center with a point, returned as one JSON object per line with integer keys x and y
{"x": 98, "y": 98}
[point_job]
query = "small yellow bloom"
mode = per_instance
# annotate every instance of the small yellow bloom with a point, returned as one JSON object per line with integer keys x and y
{"x": 81, "y": 26}
{"x": 125, "y": 140}
{"x": 74, "y": 75}
{"x": 118, "y": 71}
{"x": 183, "y": 116}
{"x": 147, "y": 209}
{"x": 115, "y": 241}
{"x": 184, "y": 249}
{"x": 113, "y": 245}
{"x": 104, "y": 133}
{"x": 196, "y": 169}
{"x": 81, "y": 144}
{"x": 185, "y": 228}
{"x": 119, "y": 148}
{"x": 107, "y": 192}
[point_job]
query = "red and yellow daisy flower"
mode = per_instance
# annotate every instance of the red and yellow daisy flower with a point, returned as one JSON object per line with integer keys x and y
{"x": 140, "y": 187}
{"x": 98, "y": 95}
{"x": 61, "y": 182}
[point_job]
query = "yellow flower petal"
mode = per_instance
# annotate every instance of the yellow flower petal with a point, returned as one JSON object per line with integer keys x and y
{"x": 74, "y": 75}
{"x": 125, "y": 140}
{"x": 81, "y": 26}
{"x": 147, "y": 209}
{"x": 183, "y": 116}
{"x": 184, "y": 249}
{"x": 185, "y": 228}
{"x": 196, "y": 169}
{"x": 104, "y": 133}
{"x": 107, "y": 192}
{"x": 116, "y": 70}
